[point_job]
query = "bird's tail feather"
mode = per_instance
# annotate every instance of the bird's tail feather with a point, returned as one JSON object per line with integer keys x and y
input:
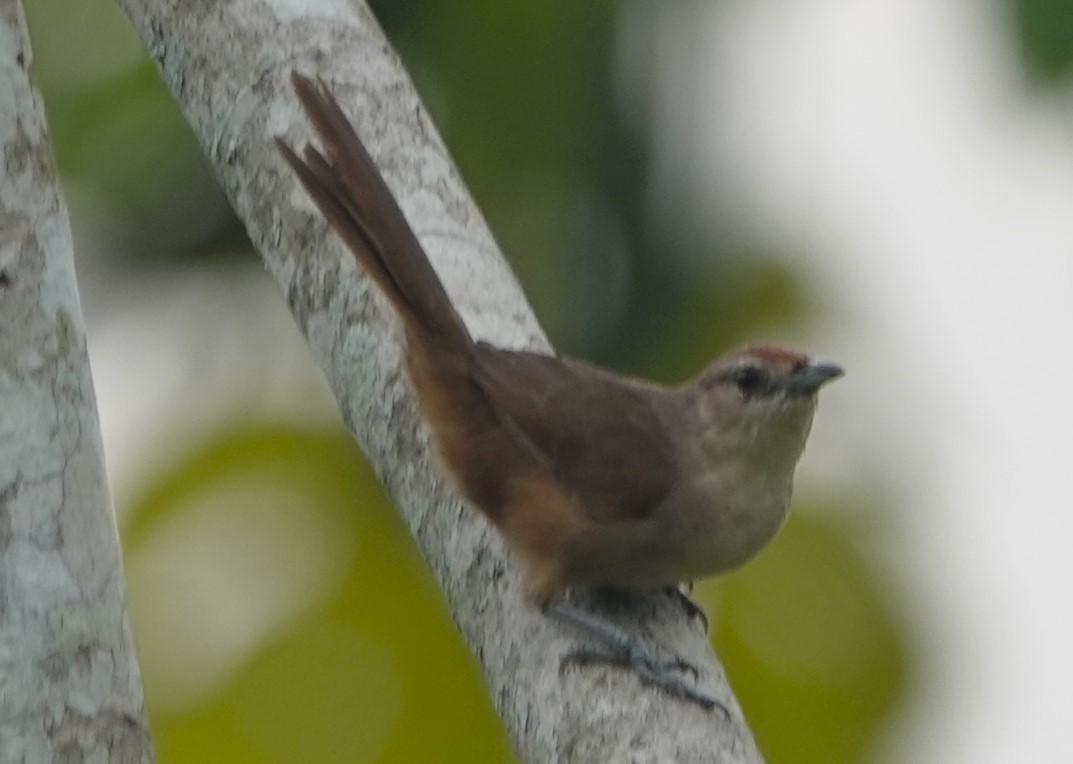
{"x": 347, "y": 187}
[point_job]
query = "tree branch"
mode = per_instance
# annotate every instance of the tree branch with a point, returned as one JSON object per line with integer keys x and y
{"x": 228, "y": 63}
{"x": 69, "y": 683}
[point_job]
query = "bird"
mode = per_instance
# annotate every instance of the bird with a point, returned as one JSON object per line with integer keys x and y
{"x": 592, "y": 477}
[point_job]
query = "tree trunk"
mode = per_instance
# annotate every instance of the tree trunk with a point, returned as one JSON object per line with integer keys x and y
{"x": 69, "y": 683}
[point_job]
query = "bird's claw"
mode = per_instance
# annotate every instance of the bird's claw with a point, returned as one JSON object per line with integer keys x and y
{"x": 693, "y": 610}
{"x": 652, "y": 671}
{"x": 621, "y": 648}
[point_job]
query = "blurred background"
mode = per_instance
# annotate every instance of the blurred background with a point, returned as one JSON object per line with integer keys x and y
{"x": 886, "y": 183}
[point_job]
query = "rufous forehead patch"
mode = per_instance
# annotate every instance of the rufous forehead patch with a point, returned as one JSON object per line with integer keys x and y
{"x": 775, "y": 355}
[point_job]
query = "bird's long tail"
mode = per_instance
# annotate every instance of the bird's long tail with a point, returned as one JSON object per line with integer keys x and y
{"x": 347, "y": 187}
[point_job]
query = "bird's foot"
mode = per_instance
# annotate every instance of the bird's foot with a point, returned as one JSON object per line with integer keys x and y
{"x": 621, "y": 648}
{"x": 693, "y": 610}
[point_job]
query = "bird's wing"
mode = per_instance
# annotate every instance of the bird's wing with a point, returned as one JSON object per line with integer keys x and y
{"x": 601, "y": 437}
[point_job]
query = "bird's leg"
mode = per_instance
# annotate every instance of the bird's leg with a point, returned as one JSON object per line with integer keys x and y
{"x": 624, "y": 649}
{"x": 682, "y": 593}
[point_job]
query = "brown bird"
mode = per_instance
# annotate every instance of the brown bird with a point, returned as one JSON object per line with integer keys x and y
{"x": 592, "y": 477}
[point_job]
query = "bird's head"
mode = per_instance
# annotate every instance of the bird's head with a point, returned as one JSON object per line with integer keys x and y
{"x": 760, "y": 400}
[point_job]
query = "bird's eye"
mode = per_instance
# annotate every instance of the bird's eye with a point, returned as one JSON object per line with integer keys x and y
{"x": 750, "y": 379}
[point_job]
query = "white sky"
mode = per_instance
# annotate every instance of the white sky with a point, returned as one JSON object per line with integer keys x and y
{"x": 891, "y": 143}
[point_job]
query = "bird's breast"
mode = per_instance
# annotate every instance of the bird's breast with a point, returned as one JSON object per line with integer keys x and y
{"x": 722, "y": 518}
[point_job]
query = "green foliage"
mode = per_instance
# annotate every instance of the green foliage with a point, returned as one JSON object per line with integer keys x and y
{"x": 814, "y": 650}
{"x": 354, "y": 658}
{"x": 139, "y": 180}
{"x": 1045, "y": 31}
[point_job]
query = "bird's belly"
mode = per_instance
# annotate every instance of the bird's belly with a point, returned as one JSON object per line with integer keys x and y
{"x": 695, "y": 532}
{"x": 711, "y": 533}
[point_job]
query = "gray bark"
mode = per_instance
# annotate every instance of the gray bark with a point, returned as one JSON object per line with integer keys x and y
{"x": 228, "y": 63}
{"x": 69, "y": 683}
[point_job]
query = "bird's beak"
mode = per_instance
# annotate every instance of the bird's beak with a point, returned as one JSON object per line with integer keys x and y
{"x": 811, "y": 378}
